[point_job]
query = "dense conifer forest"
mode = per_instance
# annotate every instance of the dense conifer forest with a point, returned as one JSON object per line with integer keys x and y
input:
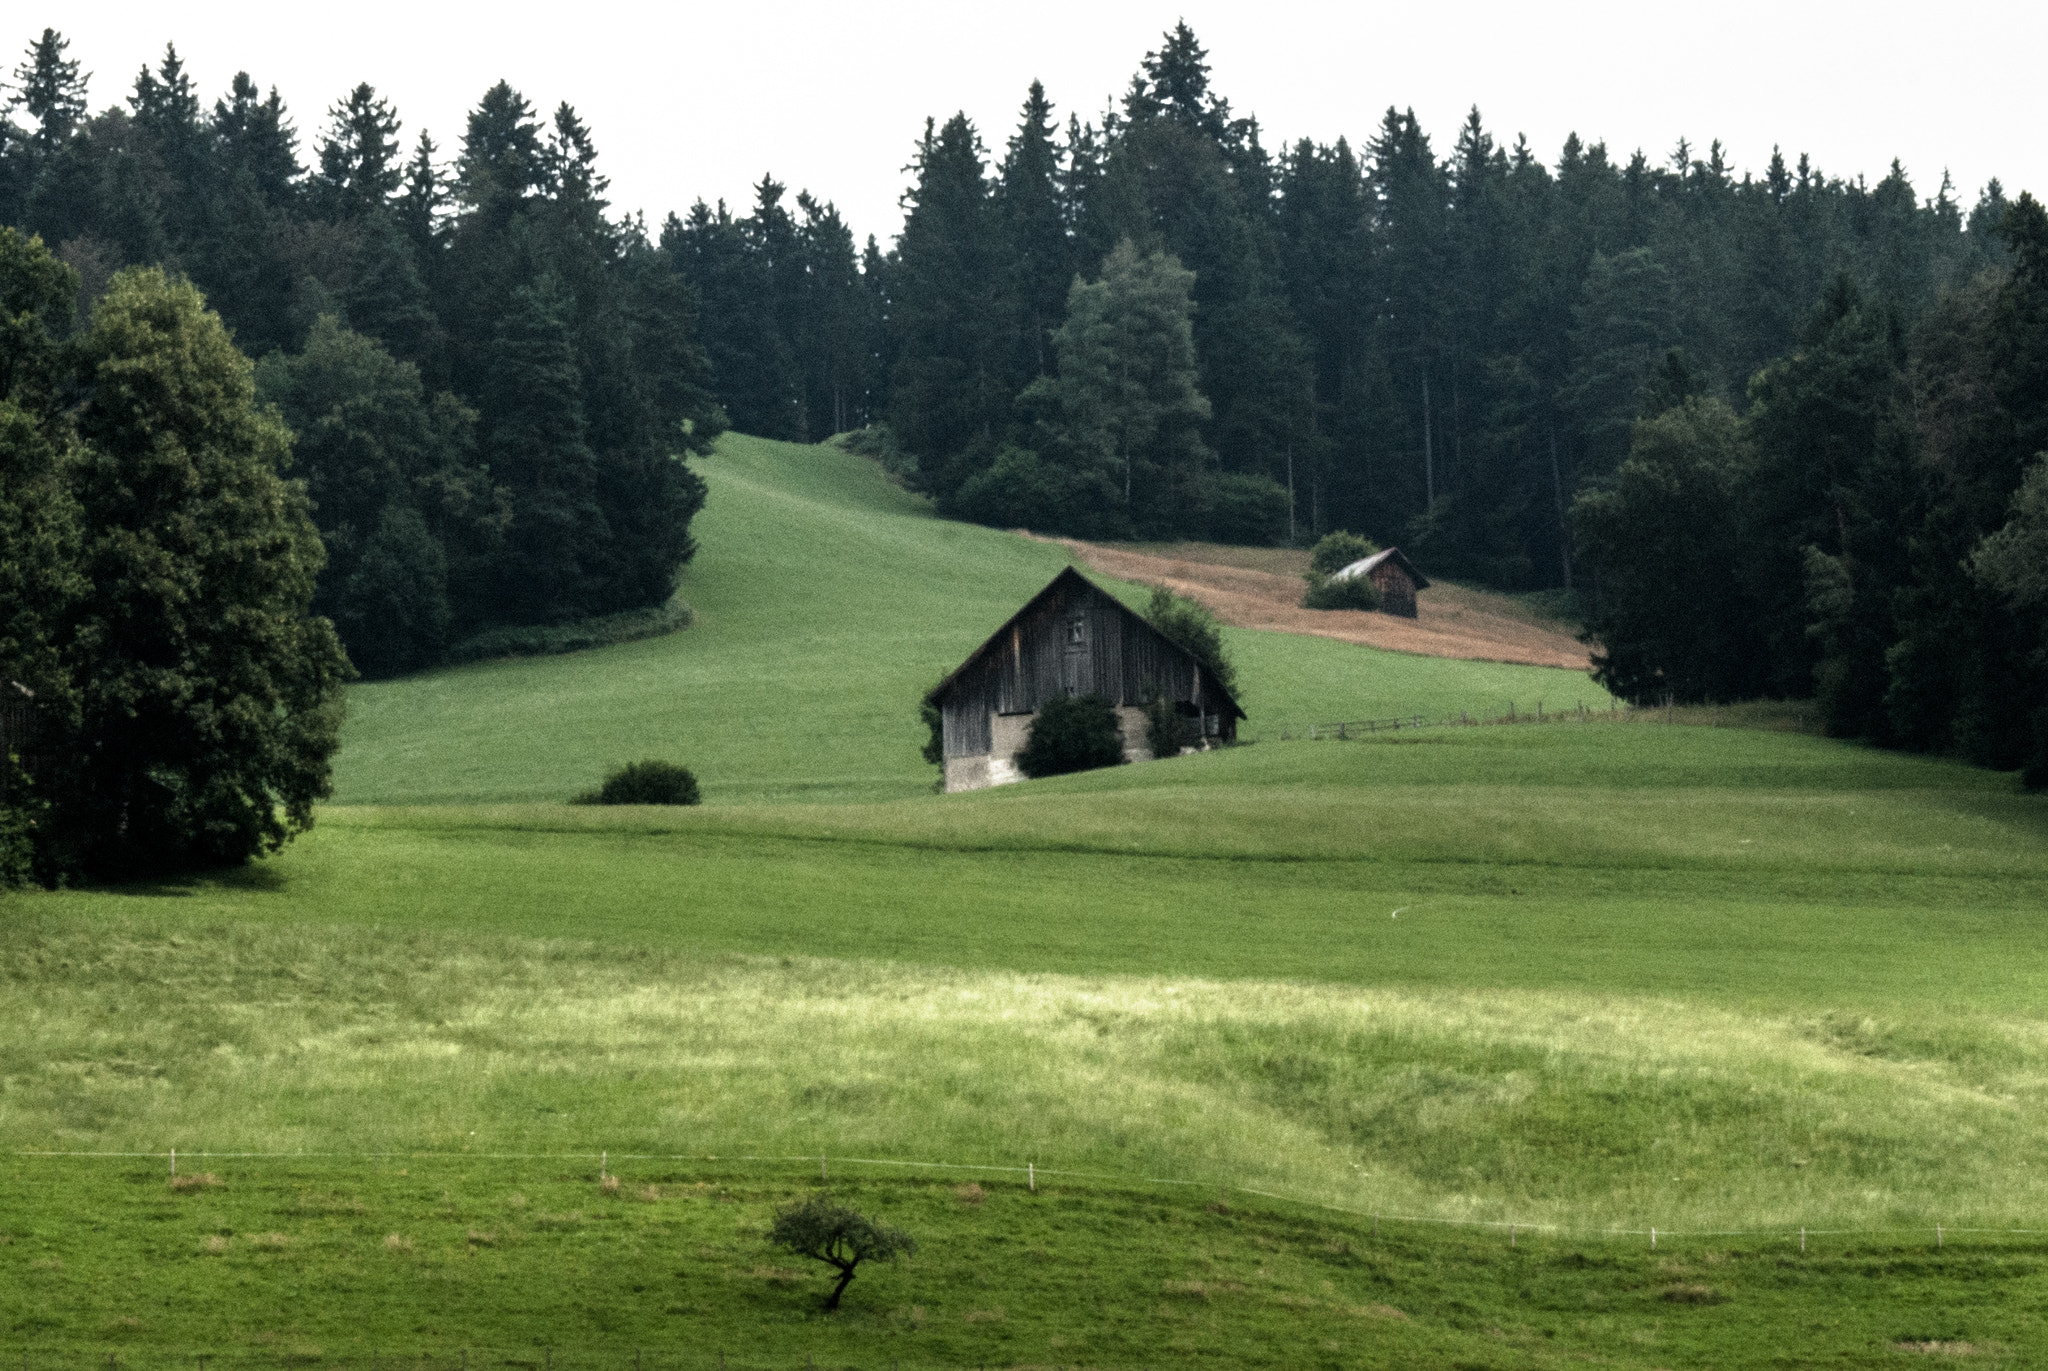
{"x": 1767, "y": 431}
{"x": 489, "y": 376}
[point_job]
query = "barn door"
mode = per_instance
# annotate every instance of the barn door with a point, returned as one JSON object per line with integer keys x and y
{"x": 1077, "y": 664}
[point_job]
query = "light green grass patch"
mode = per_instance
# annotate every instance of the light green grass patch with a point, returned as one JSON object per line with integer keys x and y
{"x": 1583, "y": 1110}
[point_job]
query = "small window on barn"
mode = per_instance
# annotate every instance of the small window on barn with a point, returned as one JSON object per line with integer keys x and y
{"x": 1077, "y": 632}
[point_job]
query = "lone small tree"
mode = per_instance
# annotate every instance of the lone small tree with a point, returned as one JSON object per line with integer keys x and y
{"x": 838, "y": 1236}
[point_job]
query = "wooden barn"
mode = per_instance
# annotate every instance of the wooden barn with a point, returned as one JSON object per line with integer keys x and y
{"x": 1072, "y": 638}
{"x": 1394, "y": 574}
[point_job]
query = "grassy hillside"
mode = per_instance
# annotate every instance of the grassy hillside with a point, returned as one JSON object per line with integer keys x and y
{"x": 1309, "y": 947}
{"x": 1582, "y": 978}
{"x": 1723, "y": 982}
{"x": 827, "y": 600}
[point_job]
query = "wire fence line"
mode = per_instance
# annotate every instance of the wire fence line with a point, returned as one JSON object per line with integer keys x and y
{"x": 1618, "y": 711}
{"x": 1031, "y": 1173}
{"x": 574, "y": 1357}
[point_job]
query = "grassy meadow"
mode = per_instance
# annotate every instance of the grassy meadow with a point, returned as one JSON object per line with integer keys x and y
{"x": 827, "y": 601}
{"x": 1586, "y": 979}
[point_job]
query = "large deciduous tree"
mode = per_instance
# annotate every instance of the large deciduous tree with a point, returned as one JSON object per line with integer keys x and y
{"x": 210, "y": 695}
{"x": 1125, "y": 405}
{"x": 1664, "y": 541}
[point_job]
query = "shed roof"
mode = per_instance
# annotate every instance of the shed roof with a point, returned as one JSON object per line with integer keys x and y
{"x": 1069, "y": 578}
{"x": 1365, "y": 564}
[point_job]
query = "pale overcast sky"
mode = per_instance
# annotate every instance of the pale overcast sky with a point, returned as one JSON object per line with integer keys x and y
{"x": 690, "y": 100}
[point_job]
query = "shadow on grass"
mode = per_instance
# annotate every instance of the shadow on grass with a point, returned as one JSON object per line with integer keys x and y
{"x": 255, "y": 877}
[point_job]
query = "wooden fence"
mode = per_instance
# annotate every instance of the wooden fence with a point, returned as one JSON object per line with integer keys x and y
{"x": 1345, "y": 729}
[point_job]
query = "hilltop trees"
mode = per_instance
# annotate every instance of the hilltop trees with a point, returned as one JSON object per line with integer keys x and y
{"x": 504, "y": 378}
{"x": 1437, "y": 347}
{"x": 1865, "y": 535}
{"x": 406, "y": 511}
{"x": 1142, "y": 324}
{"x": 1119, "y": 425}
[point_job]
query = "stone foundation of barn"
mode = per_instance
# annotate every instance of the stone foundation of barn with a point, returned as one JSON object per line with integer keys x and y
{"x": 1007, "y": 735}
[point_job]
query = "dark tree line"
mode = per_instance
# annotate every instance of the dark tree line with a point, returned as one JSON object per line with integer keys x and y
{"x": 492, "y": 380}
{"x": 1871, "y": 532}
{"x": 1774, "y": 430}
{"x": 1437, "y": 348}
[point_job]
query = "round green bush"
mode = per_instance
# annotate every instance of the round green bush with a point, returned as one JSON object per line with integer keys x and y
{"x": 1337, "y": 551}
{"x": 1354, "y": 592}
{"x": 650, "y": 782}
{"x": 1072, "y": 733}
{"x": 1167, "y": 730}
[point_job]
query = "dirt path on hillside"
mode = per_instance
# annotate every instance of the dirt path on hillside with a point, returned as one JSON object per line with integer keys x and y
{"x": 1451, "y": 621}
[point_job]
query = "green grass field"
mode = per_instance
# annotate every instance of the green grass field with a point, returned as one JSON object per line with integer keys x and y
{"x": 828, "y": 601}
{"x": 1582, "y": 978}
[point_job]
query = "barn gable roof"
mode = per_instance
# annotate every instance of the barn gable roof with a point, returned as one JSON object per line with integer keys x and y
{"x": 1070, "y": 579}
{"x": 1364, "y": 565}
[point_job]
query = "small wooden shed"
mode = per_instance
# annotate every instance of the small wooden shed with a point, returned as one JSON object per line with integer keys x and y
{"x": 1394, "y": 574}
{"x": 1072, "y": 638}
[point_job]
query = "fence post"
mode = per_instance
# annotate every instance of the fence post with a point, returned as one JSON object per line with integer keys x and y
{"x": 174, "y": 1161}
{"x": 1802, "y": 1238}
{"x": 1653, "y": 1237}
{"x": 1031, "y": 1174}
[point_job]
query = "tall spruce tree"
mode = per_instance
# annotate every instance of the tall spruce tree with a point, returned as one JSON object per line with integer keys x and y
{"x": 1028, "y": 203}
{"x": 952, "y": 323}
{"x": 537, "y": 444}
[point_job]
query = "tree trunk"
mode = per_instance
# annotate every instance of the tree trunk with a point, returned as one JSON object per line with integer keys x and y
{"x": 1428, "y": 451}
{"x": 1290, "y": 491}
{"x": 1564, "y": 537}
{"x": 845, "y": 1279}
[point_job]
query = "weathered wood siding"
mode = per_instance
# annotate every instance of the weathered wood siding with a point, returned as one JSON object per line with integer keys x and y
{"x": 1397, "y": 589}
{"x": 1078, "y": 642}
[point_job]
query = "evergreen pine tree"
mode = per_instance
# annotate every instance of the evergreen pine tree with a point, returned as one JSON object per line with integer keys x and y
{"x": 359, "y": 169}
{"x": 1034, "y": 224}
{"x": 952, "y": 323}
{"x": 51, "y": 88}
{"x": 538, "y": 448}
